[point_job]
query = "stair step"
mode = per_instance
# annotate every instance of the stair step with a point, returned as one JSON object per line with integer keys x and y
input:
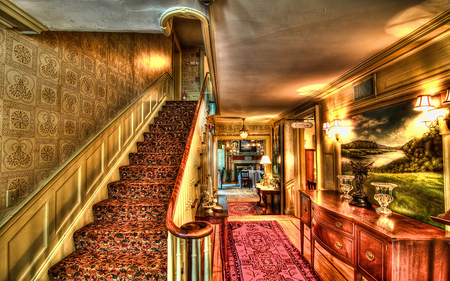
{"x": 130, "y": 210}
{"x": 166, "y": 136}
{"x": 114, "y": 265}
{"x": 141, "y": 189}
{"x": 123, "y": 236}
{"x": 181, "y": 104}
{"x": 172, "y": 120}
{"x": 150, "y": 158}
{"x": 149, "y": 172}
{"x": 189, "y": 114}
{"x": 161, "y": 146}
{"x": 169, "y": 128}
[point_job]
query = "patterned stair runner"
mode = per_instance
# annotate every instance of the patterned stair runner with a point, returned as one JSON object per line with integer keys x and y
{"x": 128, "y": 238}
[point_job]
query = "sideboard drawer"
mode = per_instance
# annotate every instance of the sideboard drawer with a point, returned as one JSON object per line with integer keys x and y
{"x": 334, "y": 242}
{"x": 335, "y": 223}
{"x": 371, "y": 255}
{"x": 305, "y": 209}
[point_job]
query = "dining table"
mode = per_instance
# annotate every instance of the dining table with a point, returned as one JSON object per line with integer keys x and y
{"x": 255, "y": 175}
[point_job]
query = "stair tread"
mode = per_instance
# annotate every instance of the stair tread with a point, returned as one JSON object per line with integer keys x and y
{"x": 123, "y": 264}
{"x": 124, "y": 227}
{"x": 129, "y": 201}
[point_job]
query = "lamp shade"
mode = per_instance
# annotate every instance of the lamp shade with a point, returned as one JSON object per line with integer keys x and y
{"x": 424, "y": 103}
{"x": 265, "y": 160}
{"x": 337, "y": 123}
{"x": 447, "y": 97}
{"x": 243, "y": 133}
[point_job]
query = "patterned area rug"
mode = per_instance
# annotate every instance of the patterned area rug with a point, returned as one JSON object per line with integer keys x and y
{"x": 244, "y": 209}
{"x": 260, "y": 250}
{"x": 235, "y": 192}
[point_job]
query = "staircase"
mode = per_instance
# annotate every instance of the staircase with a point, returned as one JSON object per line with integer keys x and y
{"x": 128, "y": 238}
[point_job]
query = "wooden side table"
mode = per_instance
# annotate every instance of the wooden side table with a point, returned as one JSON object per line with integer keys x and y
{"x": 216, "y": 218}
{"x": 263, "y": 191}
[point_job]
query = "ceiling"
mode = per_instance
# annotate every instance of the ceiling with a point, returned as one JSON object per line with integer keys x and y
{"x": 269, "y": 54}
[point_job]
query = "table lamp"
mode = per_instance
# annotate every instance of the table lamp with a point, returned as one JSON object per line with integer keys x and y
{"x": 265, "y": 160}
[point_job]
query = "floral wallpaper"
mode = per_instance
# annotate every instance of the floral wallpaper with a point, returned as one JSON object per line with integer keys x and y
{"x": 58, "y": 88}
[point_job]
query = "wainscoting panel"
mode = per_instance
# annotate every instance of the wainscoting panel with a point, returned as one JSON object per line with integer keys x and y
{"x": 128, "y": 129}
{"x": 95, "y": 166}
{"x": 113, "y": 145}
{"x": 28, "y": 245}
{"x": 67, "y": 197}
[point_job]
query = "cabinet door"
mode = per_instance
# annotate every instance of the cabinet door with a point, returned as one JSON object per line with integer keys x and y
{"x": 305, "y": 209}
{"x": 371, "y": 255}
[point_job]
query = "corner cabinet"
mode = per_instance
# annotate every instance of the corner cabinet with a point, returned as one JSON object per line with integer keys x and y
{"x": 378, "y": 247}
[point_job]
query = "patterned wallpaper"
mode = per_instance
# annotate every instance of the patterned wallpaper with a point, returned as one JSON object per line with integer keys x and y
{"x": 191, "y": 74}
{"x": 58, "y": 88}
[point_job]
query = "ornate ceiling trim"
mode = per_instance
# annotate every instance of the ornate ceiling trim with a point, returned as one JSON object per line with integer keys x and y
{"x": 12, "y": 16}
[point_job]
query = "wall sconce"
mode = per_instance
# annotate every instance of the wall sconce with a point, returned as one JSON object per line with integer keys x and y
{"x": 424, "y": 103}
{"x": 332, "y": 131}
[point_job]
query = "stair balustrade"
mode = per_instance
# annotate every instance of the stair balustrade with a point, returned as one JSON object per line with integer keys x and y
{"x": 189, "y": 245}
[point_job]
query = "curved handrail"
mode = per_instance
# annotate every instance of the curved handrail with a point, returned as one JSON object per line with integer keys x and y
{"x": 190, "y": 230}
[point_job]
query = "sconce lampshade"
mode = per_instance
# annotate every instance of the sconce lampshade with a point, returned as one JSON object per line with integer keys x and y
{"x": 265, "y": 160}
{"x": 424, "y": 103}
{"x": 447, "y": 97}
{"x": 337, "y": 123}
{"x": 326, "y": 126}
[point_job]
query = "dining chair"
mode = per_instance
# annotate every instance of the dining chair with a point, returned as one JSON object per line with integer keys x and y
{"x": 245, "y": 179}
{"x": 310, "y": 185}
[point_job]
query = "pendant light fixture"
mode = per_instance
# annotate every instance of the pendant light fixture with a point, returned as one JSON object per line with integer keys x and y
{"x": 243, "y": 132}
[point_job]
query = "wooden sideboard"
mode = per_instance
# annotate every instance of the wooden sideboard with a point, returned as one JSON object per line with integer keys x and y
{"x": 378, "y": 247}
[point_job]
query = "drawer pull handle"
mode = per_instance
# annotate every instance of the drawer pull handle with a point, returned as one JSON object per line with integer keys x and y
{"x": 338, "y": 224}
{"x": 305, "y": 210}
{"x": 338, "y": 245}
{"x": 370, "y": 256}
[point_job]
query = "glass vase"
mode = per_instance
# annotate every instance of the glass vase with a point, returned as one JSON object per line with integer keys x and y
{"x": 345, "y": 184}
{"x": 383, "y": 195}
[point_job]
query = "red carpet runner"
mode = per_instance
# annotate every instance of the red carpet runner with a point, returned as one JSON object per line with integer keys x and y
{"x": 260, "y": 250}
{"x": 128, "y": 238}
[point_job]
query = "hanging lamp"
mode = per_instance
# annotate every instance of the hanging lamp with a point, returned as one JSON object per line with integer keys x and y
{"x": 243, "y": 132}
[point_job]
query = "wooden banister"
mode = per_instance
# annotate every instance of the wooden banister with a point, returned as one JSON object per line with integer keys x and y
{"x": 190, "y": 230}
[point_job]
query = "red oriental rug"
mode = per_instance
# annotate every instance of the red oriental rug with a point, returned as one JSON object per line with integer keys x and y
{"x": 260, "y": 250}
{"x": 244, "y": 209}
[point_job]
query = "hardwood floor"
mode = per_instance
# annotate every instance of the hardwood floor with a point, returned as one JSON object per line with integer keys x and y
{"x": 326, "y": 266}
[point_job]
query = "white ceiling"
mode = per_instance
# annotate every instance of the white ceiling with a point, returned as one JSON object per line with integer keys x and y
{"x": 269, "y": 54}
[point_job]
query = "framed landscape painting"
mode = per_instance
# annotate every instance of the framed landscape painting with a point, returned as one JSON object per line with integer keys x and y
{"x": 404, "y": 151}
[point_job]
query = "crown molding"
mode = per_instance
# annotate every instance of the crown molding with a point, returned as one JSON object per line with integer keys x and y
{"x": 166, "y": 23}
{"x": 427, "y": 34}
{"x": 17, "y": 18}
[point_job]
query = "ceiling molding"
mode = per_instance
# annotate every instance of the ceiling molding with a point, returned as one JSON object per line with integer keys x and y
{"x": 12, "y": 16}
{"x": 189, "y": 13}
{"x": 422, "y": 37}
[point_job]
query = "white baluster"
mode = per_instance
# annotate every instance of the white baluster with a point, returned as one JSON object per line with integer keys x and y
{"x": 207, "y": 263}
{"x": 170, "y": 256}
{"x": 194, "y": 259}
{"x": 199, "y": 263}
{"x": 178, "y": 259}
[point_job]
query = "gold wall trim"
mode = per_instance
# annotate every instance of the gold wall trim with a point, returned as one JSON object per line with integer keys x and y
{"x": 434, "y": 30}
{"x": 20, "y": 16}
{"x": 189, "y": 13}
